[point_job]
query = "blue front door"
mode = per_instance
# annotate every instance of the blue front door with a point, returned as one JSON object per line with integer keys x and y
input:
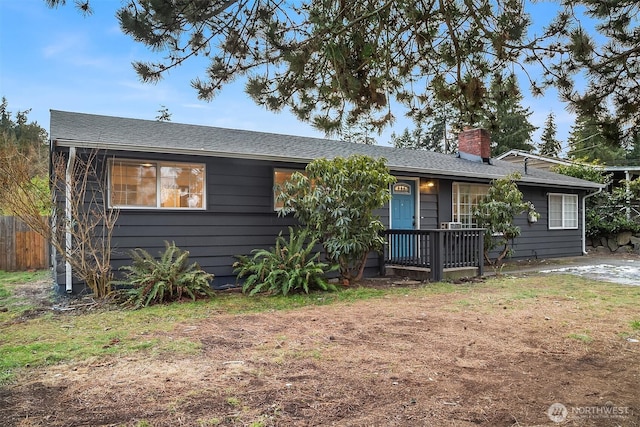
{"x": 403, "y": 218}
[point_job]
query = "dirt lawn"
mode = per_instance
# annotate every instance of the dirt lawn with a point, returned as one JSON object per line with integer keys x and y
{"x": 403, "y": 360}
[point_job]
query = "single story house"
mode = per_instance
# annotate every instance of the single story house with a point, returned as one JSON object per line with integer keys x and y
{"x": 211, "y": 190}
{"x": 627, "y": 172}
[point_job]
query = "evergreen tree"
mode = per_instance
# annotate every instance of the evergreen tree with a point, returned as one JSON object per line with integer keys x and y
{"x": 633, "y": 153}
{"x": 550, "y": 146}
{"x": 596, "y": 139}
{"x": 331, "y": 61}
{"x": 164, "y": 115}
{"x": 29, "y": 137}
{"x": 417, "y": 139}
{"x": 607, "y": 55}
{"x": 506, "y": 119}
{"x": 430, "y": 135}
{"x": 358, "y": 132}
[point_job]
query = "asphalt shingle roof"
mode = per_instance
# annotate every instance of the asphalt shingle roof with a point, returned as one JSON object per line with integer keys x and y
{"x": 117, "y": 133}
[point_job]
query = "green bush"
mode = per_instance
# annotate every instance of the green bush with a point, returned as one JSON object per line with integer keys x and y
{"x": 336, "y": 201}
{"x": 606, "y": 214}
{"x": 289, "y": 266}
{"x": 168, "y": 278}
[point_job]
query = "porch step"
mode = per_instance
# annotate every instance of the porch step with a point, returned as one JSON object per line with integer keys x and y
{"x": 424, "y": 274}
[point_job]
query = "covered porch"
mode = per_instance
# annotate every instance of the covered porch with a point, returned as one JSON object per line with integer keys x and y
{"x": 434, "y": 251}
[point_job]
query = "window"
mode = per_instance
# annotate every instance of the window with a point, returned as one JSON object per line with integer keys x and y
{"x": 563, "y": 211}
{"x": 163, "y": 185}
{"x": 465, "y": 199}
{"x": 279, "y": 177}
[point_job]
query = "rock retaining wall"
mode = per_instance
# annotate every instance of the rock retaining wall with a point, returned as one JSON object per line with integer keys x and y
{"x": 623, "y": 242}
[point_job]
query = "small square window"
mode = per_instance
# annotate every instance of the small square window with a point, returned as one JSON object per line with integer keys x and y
{"x": 563, "y": 211}
{"x": 280, "y": 176}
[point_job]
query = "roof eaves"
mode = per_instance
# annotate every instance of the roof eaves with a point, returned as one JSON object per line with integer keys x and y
{"x": 173, "y": 150}
{"x": 256, "y": 156}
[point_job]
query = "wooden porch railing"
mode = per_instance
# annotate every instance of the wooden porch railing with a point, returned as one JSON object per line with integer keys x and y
{"x": 436, "y": 250}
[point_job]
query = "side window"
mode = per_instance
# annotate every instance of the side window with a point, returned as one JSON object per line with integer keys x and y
{"x": 563, "y": 211}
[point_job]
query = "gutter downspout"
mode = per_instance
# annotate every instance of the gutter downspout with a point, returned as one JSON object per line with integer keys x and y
{"x": 68, "y": 246}
{"x": 53, "y": 255}
{"x": 584, "y": 224}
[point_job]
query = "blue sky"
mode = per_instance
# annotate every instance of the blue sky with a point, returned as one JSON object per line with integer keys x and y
{"x": 58, "y": 59}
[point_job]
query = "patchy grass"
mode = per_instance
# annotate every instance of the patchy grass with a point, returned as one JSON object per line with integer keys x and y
{"x": 583, "y": 337}
{"x": 12, "y": 277}
{"x": 55, "y": 338}
{"x": 261, "y": 361}
{"x": 12, "y": 303}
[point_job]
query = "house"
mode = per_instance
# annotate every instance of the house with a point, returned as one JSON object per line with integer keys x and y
{"x": 618, "y": 174}
{"x": 533, "y": 160}
{"x": 539, "y": 161}
{"x": 211, "y": 190}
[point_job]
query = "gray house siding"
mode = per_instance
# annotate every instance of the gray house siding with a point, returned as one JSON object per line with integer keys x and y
{"x": 239, "y": 215}
{"x": 537, "y": 240}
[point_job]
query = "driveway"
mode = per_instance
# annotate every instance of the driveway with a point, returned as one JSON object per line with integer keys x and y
{"x": 616, "y": 268}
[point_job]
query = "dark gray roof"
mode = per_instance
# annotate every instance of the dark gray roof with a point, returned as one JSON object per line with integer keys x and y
{"x": 116, "y": 133}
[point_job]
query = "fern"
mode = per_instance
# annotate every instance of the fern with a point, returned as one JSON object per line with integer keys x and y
{"x": 169, "y": 278}
{"x": 288, "y": 267}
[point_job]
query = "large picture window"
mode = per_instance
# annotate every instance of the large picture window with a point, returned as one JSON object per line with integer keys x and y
{"x": 465, "y": 198}
{"x": 161, "y": 185}
{"x": 563, "y": 211}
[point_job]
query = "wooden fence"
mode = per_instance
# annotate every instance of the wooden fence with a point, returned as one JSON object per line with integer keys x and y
{"x": 20, "y": 247}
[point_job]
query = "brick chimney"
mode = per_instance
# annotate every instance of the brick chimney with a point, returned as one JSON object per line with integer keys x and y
{"x": 475, "y": 145}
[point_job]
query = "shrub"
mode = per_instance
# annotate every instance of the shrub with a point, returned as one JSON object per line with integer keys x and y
{"x": 496, "y": 212}
{"x": 168, "y": 278}
{"x": 606, "y": 214}
{"x": 336, "y": 201}
{"x": 289, "y": 266}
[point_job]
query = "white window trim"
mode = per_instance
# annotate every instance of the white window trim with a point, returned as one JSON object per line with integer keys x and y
{"x": 455, "y": 201}
{"x": 158, "y": 164}
{"x": 564, "y": 218}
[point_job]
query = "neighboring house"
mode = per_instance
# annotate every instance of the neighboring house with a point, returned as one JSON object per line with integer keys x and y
{"x": 619, "y": 174}
{"x": 538, "y": 161}
{"x": 520, "y": 157}
{"x": 211, "y": 190}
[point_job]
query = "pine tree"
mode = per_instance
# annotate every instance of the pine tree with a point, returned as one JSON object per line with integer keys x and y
{"x": 334, "y": 61}
{"x": 418, "y": 139}
{"x": 606, "y": 54}
{"x": 633, "y": 152}
{"x": 596, "y": 139}
{"x": 506, "y": 119}
{"x": 164, "y": 115}
{"x": 431, "y": 134}
{"x": 28, "y": 136}
{"x": 549, "y": 145}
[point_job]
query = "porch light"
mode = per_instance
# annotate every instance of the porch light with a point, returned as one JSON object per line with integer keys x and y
{"x": 427, "y": 186}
